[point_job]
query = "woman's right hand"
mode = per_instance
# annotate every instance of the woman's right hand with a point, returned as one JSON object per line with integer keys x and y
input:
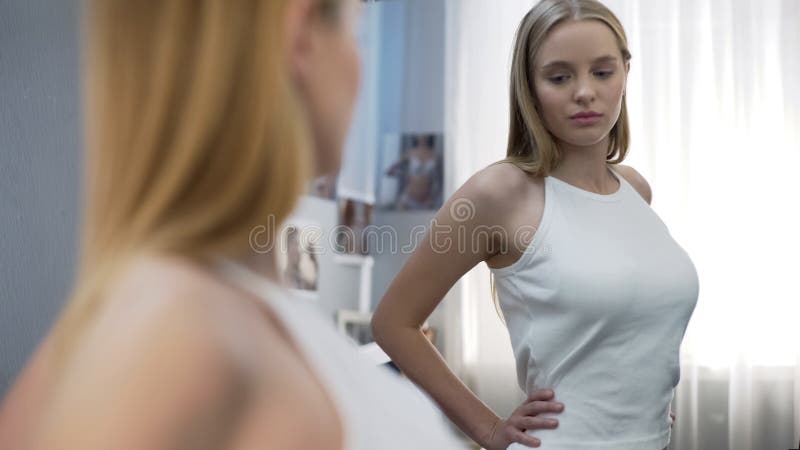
{"x": 508, "y": 431}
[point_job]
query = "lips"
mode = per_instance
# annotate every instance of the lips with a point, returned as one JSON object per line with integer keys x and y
{"x": 585, "y": 115}
{"x": 586, "y": 118}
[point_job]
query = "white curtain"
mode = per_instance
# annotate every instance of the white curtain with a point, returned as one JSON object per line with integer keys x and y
{"x": 714, "y": 101}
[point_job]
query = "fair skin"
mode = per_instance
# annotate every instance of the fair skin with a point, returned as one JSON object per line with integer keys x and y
{"x": 327, "y": 68}
{"x": 504, "y": 197}
{"x": 180, "y": 358}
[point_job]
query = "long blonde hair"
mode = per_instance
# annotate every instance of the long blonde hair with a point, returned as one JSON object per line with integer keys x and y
{"x": 194, "y": 136}
{"x": 531, "y": 147}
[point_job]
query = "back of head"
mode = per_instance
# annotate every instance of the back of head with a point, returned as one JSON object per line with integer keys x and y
{"x": 530, "y": 145}
{"x": 194, "y": 134}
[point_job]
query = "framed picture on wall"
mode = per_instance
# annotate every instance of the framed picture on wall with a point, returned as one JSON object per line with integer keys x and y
{"x": 298, "y": 257}
{"x": 354, "y": 218}
{"x": 412, "y": 172}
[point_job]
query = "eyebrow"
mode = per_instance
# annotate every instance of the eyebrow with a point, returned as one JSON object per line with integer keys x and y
{"x": 604, "y": 58}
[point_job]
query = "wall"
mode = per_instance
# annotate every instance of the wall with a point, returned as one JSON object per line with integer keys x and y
{"x": 39, "y": 170}
{"x": 411, "y": 100}
{"x": 423, "y": 108}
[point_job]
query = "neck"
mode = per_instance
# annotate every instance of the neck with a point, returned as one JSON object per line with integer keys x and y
{"x": 264, "y": 264}
{"x": 586, "y": 166}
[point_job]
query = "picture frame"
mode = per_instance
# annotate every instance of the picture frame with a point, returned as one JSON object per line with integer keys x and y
{"x": 354, "y": 218}
{"x": 411, "y": 176}
{"x": 300, "y": 248}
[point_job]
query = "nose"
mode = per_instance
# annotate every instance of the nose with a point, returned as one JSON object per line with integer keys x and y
{"x": 584, "y": 91}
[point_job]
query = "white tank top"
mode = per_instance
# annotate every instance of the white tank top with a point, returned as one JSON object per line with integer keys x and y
{"x": 379, "y": 409}
{"x": 596, "y": 309}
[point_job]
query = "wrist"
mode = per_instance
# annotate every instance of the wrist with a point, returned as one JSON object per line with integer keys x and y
{"x": 488, "y": 436}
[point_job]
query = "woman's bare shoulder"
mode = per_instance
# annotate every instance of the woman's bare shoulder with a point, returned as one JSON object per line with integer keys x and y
{"x": 500, "y": 179}
{"x": 498, "y": 190}
{"x": 637, "y": 181}
{"x": 161, "y": 361}
{"x": 170, "y": 294}
{"x": 148, "y": 279}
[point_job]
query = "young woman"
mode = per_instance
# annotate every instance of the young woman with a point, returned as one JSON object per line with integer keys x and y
{"x": 205, "y": 119}
{"x": 595, "y": 292}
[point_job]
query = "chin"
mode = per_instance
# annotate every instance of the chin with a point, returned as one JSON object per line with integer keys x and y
{"x": 587, "y": 138}
{"x": 583, "y": 142}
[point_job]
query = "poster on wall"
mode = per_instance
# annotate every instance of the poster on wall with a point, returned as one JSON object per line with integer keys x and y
{"x": 412, "y": 172}
{"x": 298, "y": 258}
{"x": 354, "y": 218}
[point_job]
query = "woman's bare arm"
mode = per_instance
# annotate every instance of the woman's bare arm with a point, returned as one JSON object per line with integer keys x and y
{"x": 457, "y": 241}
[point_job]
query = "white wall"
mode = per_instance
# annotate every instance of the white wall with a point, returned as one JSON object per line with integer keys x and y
{"x": 423, "y": 107}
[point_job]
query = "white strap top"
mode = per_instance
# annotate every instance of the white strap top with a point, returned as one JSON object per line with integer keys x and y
{"x": 596, "y": 309}
{"x": 380, "y": 410}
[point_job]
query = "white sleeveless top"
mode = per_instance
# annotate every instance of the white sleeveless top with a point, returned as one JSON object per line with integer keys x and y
{"x": 596, "y": 309}
{"x": 380, "y": 410}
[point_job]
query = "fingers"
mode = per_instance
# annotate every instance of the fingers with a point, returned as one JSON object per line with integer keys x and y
{"x": 526, "y": 439}
{"x": 535, "y": 423}
{"x": 538, "y": 407}
{"x": 541, "y": 394}
{"x": 524, "y": 417}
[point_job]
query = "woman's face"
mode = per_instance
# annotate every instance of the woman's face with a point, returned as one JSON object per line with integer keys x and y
{"x": 326, "y": 68}
{"x": 579, "y": 68}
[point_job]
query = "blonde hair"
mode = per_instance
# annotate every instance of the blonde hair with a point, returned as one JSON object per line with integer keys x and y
{"x": 194, "y": 136}
{"x": 531, "y": 147}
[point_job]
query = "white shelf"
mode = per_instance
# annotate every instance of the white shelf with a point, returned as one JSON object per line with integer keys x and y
{"x": 354, "y": 260}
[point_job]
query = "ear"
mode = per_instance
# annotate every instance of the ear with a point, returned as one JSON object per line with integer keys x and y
{"x": 298, "y": 36}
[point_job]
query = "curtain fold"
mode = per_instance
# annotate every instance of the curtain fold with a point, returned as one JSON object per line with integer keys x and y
{"x": 714, "y": 102}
